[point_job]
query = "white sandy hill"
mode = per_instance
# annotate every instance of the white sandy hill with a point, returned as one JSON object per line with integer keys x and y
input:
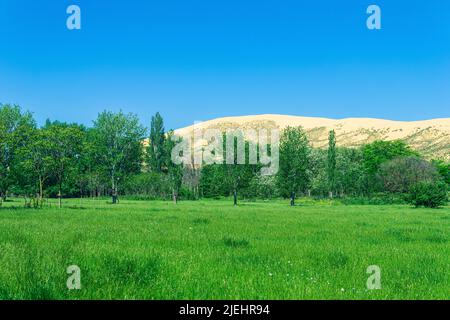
{"x": 430, "y": 137}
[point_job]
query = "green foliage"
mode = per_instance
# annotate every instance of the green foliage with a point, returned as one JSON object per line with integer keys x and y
{"x": 379, "y": 152}
{"x": 147, "y": 185}
{"x": 331, "y": 162}
{"x": 157, "y": 151}
{"x": 349, "y": 173}
{"x": 212, "y": 181}
{"x": 89, "y": 176}
{"x": 400, "y": 174}
{"x": 294, "y": 168}
{"x": 238, "y": 176}
{"x": 63, "y": 147}
{"x": 429, "y": 194}
{"x": 16, "y": 128}
{"x": 263, "y": 187}
{"x": 443, "y": 169}
{"x": 117, "y": 139}
{"x": 173, "y": 171}
{"x": 36, "y": 164}
{"x": 223, "y": 179}
{"x": 381, "y": 198}
{"x": 108, "y": 158}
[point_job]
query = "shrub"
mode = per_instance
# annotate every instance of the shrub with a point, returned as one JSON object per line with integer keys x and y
{"x": 146, "y": 186}
{"x": 429, "y": 194}
{"x": 400, "y": 174}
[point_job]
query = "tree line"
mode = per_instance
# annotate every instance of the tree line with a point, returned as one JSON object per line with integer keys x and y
{"x": 71, "y": 160}
{"x": 379, "y": 171}
{"x": 109, "y": 158}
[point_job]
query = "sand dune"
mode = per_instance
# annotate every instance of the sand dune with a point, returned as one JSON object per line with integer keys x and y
{"x": 430, "y": 137}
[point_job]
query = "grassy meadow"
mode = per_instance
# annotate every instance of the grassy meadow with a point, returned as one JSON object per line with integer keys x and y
{"x": 212, "y": 250}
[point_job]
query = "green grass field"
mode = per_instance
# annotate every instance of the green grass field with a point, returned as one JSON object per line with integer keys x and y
{"x": 212, "y": 250}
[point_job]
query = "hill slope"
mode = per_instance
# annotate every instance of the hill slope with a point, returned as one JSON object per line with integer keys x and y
{"x": 430, "y": 137}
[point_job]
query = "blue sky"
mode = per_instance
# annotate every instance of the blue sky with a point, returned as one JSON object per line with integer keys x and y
{"x": 201, "y": 59}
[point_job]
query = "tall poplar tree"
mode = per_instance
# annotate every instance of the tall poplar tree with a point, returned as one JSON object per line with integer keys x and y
{"x": 331, "y": 163}
{"x": 156, "y": 147}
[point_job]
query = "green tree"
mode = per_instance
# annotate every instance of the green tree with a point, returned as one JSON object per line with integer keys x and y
{"x": 63, "y": 143}
{"x": 429, "y": 194}
{"x": 15, "y": 130}
{"x": 263, "y": 186}
{"x": 349, "y": 172}
{"x": 237, "y": 170}
{"x": 213, "y": 182}
{"x": 147, "y": 185}
{"x": 37, "y": 161}
{"x": 174, "y": 171}
{"x": 443, "y": 169}
{"x": 230, "y": 177}
{"x": 350, "y": 175}
{"x": 293, "y": 174}
{"x": 400, "y": 174}
{"x": 118, "y": 146}
{"x": 86, "y": 176}
{"x": 331, "y": 163}
{"x": 318, "y": 172}
{"x": 378, "y": 152}
{"x": 157, "y": 148}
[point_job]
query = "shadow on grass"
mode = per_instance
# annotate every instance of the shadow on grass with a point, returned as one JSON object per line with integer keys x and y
{"x": 236, "y": 243}
{"x": 201, "y": 221}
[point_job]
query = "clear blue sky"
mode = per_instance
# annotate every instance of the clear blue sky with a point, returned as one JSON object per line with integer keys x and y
{"x": 200, "y": 59}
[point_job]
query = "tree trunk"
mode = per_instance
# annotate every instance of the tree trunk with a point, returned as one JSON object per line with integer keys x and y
{"x": 235, "y": 197}
{"x": 114, "y": 196}
{"x": 292, "y": 199}
{"x": 174, "y": 196}
{"x": 113, "y": 190}
{"x": 41, "y": 191}
{"x": 330, "y": 194}
{"x": 60, "y": 196}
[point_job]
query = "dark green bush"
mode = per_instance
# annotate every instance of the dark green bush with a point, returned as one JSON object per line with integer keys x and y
{"x": 429, "y": 194}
